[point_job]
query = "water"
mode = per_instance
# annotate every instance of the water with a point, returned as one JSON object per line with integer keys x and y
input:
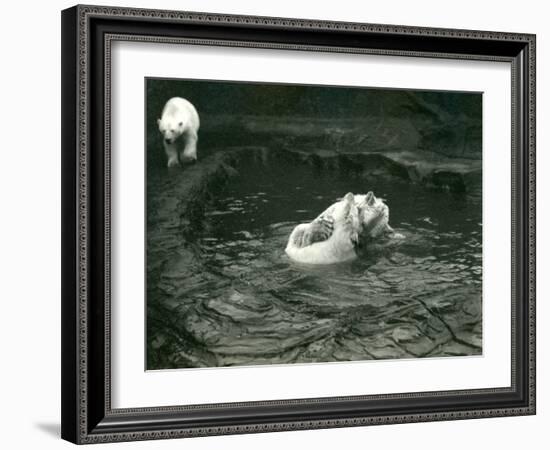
{"x": 227, "y": 294}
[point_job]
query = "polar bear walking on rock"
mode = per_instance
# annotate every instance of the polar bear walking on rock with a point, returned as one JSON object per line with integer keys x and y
{"x": 179, "y": 126}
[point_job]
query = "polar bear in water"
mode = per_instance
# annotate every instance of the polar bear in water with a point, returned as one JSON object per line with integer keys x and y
{"x": 334, "y": 234}
{"x": 179, "y": 126}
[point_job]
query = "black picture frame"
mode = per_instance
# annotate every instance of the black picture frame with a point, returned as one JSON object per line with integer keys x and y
{"x": 87, "y": 33}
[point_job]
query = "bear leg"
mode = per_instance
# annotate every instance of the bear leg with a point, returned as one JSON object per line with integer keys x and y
{"x": 172, "y": 154}
{"x": 189, "y": 152}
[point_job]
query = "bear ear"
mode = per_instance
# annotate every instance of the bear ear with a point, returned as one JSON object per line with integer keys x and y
{"x": 370, "y": 198}
{"x": 349, "y": 197}
{"x": 158, "y": 121}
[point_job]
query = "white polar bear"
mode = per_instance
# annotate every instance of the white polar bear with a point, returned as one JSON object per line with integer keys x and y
{"x": 179, "y": 126}
{"x": 330, "y": 238}
{"x": 333, "y": 236}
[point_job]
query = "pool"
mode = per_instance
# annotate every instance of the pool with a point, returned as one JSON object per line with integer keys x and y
{"x": 222, "y": 292}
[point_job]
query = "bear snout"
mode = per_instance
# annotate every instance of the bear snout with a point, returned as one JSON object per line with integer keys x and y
{"x": 168, "y": 140}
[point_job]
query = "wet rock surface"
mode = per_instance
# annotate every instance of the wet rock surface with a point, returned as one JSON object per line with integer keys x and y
{"x": 442, "y": 154}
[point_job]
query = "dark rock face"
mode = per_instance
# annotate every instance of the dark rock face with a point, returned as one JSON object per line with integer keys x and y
{"x": 402, "y": 153}
{"x": 339, "y": 119}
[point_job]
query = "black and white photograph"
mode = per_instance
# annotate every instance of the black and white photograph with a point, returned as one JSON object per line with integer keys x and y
{"x": 298, "y": 224}
{"x": 275, "y": 225}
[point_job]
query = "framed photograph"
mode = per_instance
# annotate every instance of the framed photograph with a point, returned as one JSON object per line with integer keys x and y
{"x": 279, "y": 224}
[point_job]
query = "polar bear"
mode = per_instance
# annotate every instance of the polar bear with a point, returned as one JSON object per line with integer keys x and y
{"x": 330, "y": 238}
{"x": 179, "y": 126}
{"x": 334, "y": 235}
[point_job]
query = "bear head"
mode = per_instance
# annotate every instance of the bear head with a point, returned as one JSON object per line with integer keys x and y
{"x": 170, "y": 128}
